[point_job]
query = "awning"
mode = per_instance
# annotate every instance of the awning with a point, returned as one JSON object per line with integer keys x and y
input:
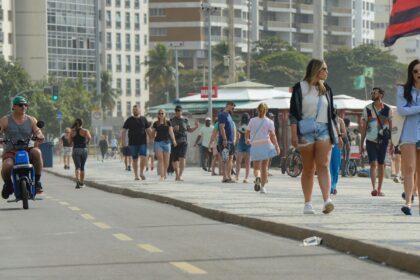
{"x": 192, "y": 107}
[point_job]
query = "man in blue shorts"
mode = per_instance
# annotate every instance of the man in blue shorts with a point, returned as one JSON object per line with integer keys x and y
{"x": 137, "y": 127}
{"x": 225, "y": 145}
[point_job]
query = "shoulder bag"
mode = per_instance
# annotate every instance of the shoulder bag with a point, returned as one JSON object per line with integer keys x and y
{"x": 308, "y": 125}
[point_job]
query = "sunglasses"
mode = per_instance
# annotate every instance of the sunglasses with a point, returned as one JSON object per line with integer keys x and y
{"x": 22, "y": 105}
{"x": 177, "y": 110}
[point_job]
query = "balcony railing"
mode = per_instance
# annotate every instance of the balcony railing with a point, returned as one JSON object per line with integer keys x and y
{"x": 336, "y": 28}
{"x": 305, "y": 25}
{"x": 306, "y": 45}
{"x": 283, "y": 5}
{"x": 278, "y": 24}
{"x": 340, "y": 10}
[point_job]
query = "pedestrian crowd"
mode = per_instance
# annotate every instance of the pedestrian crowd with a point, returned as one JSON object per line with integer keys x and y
{"x": 322, "y": 137}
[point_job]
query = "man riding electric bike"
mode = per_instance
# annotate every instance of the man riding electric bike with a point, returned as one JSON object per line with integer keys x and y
{"x": 19, "y": 125}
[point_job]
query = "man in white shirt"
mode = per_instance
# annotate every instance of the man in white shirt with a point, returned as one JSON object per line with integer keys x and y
{"x": 204, "y": 136}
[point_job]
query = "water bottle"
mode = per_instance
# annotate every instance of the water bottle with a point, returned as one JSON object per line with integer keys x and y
{"x": 312, "y": 241}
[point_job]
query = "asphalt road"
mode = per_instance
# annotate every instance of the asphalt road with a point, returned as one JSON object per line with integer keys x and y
{"x": 90, "y": 234}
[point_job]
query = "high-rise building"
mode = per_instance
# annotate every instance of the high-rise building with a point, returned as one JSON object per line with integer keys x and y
{"x": 406, "y": 48}
{"x": 6, "y": 34}
{"x": 55, "y": 38}
{"x": 125, "y": 46}
{"x": 346, "y": 23}
{"x": 184, "y": 21}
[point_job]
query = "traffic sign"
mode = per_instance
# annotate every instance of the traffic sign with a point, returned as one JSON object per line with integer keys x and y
{"x": 59, "y": 115}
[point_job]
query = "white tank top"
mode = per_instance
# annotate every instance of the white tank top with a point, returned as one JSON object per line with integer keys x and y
{"x": 310, "y": 98}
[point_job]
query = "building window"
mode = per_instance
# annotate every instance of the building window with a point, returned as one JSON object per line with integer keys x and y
{"x": 146, "y": 84}
{"x": 157, "y": 12}
{"x": 119, "y": 86}
{"x": 137, "y": 43}
{"x": 128, "y": 87}
{"x": 118, "y": 41}
{"x": 118, "y": 3}
{"x": 118, "y": 63}
{"x": 145, "y": 18}
{"x": 145, "y": 40}
{"x": 108, "y": 40}
{"x": 137, "y": 21}
{"x": 127, "y": 20}
{"x": 109, "y": 62}
{"x": 128, "y": 108}
{"x": 127, "y": 64}
{"x": 137, "y": 87}
{"x": 118, "y": 20}
{"x": 158, "y": 32}
{"x": 137, "y": 66}
{"x": 108, "y": 19}
{"x": 108, "y": 3}
{"x": 127, "y": 4}
{"x": 119, "y": 109}
{"x": 136, "y": 4}
{"x": 127, "y": 42}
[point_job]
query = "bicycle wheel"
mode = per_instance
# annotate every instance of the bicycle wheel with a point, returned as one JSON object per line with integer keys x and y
{"x": 294, "y": 165}
{"x": 24, "y": 193}
{"x": 352, "y": 168}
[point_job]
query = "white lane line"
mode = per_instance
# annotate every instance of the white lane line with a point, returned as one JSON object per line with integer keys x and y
{"x": 74, "y": 208}
{"x": 64, "y": 203}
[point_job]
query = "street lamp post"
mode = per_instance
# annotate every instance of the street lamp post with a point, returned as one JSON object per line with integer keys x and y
{"x": 208, "y": 10}
{"x": 176, "y": 46}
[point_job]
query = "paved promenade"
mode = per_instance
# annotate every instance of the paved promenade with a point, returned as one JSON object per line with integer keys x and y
{"x": 360, "y": 224}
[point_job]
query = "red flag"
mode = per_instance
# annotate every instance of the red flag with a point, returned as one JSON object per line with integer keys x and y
{"x": 404, "y": 21}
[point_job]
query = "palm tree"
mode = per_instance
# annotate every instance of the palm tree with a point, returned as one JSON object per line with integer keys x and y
{"x": 161, "y": 73}
{"x": 220, "y": 70}
{"x": 108, "y": 94}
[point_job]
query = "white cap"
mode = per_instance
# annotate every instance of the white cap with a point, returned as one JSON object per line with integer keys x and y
{"x": 208, "y": 119}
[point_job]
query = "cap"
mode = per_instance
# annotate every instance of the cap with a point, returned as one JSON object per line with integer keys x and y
{"x": 178, "y": 107}
{"x": 19, "y": 100}
{"x": 231, "y": 103}
{"x": 208, "y": 119}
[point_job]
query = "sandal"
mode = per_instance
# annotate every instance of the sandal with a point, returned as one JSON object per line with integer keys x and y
{"x": 374, "y": 193}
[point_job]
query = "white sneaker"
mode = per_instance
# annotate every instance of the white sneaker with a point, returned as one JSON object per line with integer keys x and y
{"x": 262, "y": 190}
{"x": 328, "y": 207}
{"x": 308, "y": 209}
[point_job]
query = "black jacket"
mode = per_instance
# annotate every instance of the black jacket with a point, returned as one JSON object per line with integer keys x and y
{"x": 295, "y": 112}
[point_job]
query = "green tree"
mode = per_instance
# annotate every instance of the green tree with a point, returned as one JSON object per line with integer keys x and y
{"x": 13, "y": 80}
{"x": 161, "y": 74}
{"x": 346, "y": 64}
{"x": 280, "y": 68}
{"x": 269, "y": 45}
{"x": 190, "y": 81}
{"x": 108, "y": 95}
{"x": 220, "y": 70}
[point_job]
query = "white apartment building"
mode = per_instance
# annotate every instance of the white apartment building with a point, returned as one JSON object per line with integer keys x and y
{"x": 347, "y": 23}
{"x": 183, "y": 23}
{"x": 125, "y": 46}
{"x": 406, "y": 48}
{"x": 6, "y": 32}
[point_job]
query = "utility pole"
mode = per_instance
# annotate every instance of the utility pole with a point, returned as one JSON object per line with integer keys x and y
{"x": 208, "y": 10}
{"x": 175, "y": 46}
{"x": 231, "y": 44}
{"x": 318, "y": 42}
{"x": 248, "y": 63}
{"x": 98, "y": 63}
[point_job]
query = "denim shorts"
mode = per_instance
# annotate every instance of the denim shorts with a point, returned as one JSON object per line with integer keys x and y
{"x": 163, "y": 146}
{"x": 136, "y": 150}
{"x": 321, "y": 134}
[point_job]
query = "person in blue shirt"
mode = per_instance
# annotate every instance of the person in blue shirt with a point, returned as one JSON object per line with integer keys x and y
{"x": 408, "y": 105}
{"x": 225, "y": 144}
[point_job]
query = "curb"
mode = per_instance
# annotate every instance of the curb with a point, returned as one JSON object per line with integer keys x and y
{"x": 385, "y": 256}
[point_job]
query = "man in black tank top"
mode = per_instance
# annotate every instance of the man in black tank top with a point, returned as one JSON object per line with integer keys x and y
{"x": 20, "y": 125}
